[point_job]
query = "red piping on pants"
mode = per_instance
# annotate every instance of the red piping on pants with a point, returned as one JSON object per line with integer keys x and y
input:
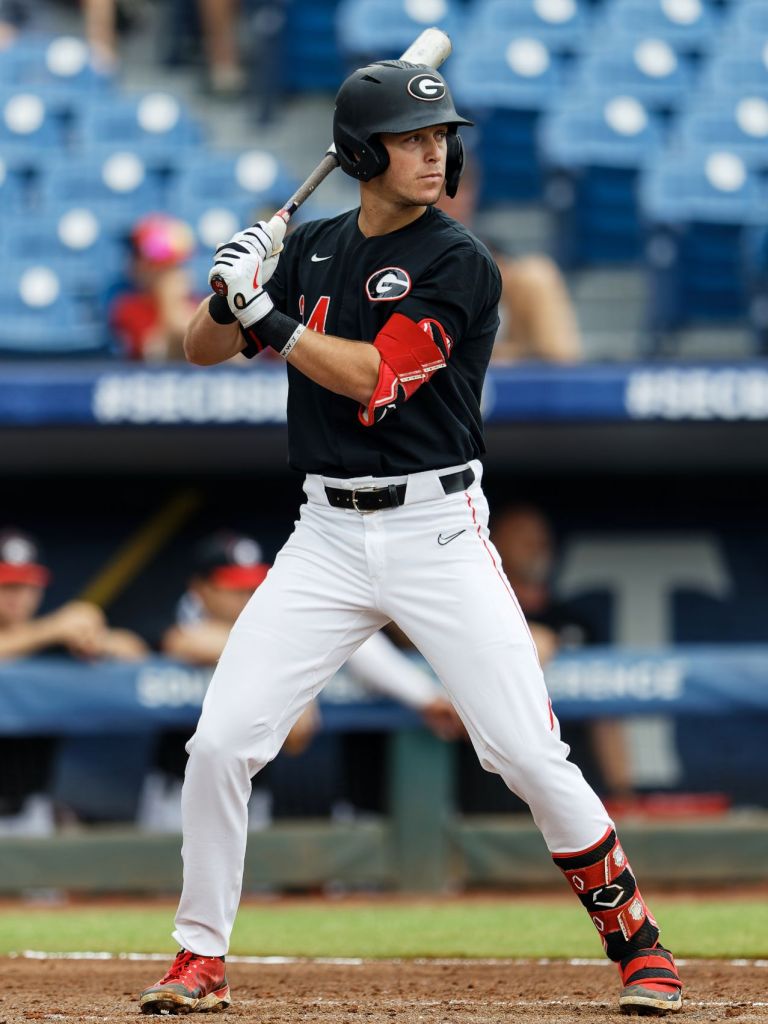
{"x": 511, "y": 593}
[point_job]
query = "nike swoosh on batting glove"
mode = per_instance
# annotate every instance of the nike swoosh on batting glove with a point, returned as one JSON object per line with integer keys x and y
{"x": 245, "y": 263}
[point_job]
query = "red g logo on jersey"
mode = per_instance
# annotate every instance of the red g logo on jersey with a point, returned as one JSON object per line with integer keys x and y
{"x": 388, "y": 284}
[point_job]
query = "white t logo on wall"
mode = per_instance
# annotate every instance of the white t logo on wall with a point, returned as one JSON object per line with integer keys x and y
{"x": 642, "y": 572}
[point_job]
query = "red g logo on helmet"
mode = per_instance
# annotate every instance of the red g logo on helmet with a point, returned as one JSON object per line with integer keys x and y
{"x": 426, "y": 87}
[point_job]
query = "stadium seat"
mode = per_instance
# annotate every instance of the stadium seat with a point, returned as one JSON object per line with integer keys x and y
{"x": 29, "y": 121}
{"x": 650, "y": 69}
{"x": 254, "y": 177}
{"x": 698, "y": 209}
{"x": 119, "y": 177}
{"x": 593, "y": 153}
{"x": 738, "y": 74}
{"x": 213, "y": 220}
{"x": 562, "y": 24}
{"x": 72, "y": 237}
{"x": 13, "y": 185}
{"x": 749, "y": 20}
{"x": 375, "y": 29}
{"x": 691, "y": 26}
{"x": 504, "y": 84}
{"x": 310, "y": 60}
{"x": 41, "y": 317}
{"x": 740, "y": 126}
{"x": 34, "y": 59}
{"x": 156, "y": 118}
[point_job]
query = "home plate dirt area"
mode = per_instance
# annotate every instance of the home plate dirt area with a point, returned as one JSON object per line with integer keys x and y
{"x": 379, "y": 992}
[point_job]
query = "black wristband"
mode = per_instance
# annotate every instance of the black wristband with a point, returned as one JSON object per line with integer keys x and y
{"x": 277, "y": 330}
{"x": 219, "y": 310}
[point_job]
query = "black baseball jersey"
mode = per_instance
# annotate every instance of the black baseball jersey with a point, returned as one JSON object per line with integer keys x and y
{"x": 336, "y": 281}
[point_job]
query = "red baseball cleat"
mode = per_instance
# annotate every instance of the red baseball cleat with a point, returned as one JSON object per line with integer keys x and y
{"x": 194, "y": 983}
{"x": 651, "y": 982}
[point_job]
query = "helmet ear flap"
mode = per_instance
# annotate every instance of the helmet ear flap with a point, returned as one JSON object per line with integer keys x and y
{"x": 359, "y": 158}
{"x": 376, "y": 157}
{"x": 454, "y": 163}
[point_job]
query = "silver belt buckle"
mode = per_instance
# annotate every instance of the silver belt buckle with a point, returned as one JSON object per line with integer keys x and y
{"x": 362, "y": 511}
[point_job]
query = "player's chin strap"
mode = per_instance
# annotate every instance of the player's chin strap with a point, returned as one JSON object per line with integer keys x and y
{"x": 410, "y": 354}
{"x": 603, "y": 880}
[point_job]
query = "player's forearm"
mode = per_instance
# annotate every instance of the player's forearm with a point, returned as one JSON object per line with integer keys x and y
{"x": 206, "y": 342}
{"x": 348, "y": 368}
{"x": 27, "y": 638}
{"x": 199, "y": 644}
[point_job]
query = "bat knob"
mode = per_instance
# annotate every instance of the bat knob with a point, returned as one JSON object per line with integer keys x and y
{"x": 219, "y": 285}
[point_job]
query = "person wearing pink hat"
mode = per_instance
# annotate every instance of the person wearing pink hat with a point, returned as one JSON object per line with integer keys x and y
{"x": 150, "y": 321}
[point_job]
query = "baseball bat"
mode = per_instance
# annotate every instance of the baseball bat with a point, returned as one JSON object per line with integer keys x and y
{"x": 431, "y": 47}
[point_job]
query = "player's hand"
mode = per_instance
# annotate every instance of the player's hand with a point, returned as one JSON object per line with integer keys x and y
{"x": 245, "y": 263}
{"x": 80, "y": 627}
{"x": 442, "y": 718}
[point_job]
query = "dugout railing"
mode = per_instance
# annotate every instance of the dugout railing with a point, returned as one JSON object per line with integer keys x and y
{"x": 423, "y": 844}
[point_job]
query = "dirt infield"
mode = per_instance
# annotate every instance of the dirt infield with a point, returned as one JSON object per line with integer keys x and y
{"x": 441, "y": 992}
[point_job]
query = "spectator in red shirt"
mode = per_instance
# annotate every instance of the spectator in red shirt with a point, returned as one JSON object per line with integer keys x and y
{"x": 151, "y": 320}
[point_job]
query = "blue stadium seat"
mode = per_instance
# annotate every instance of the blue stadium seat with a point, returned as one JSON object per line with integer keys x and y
{"x": 749, "y": 19}
{"x": 504, "y": 84}
{"x": 29, "y": 121}
{"x": 310, "y": 60}
{"x": 593, "y": 153}
{"x": 690, "y": 25}
{"x": 254, "y": 177}
{"x": 153, "y": 118}
{"x": 738, "y": 74}
{"x": 73, "y": 237}
{"x": 119, "y": 177}
{"x": 13, "y": 185}
{"x": 740, "y": 126}
{"x": 647, "y": 68}
{"x": 377, "y": 29}
{"x": 213, "y": 220}
{"x": 698, "y": 209}
{"x": 562, "y": 24}
{"x": 35, "y": 59}
{"x": 41, "y": 317}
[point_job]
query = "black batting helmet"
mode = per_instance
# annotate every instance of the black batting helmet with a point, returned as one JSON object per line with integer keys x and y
{"x": 393, "y": 96}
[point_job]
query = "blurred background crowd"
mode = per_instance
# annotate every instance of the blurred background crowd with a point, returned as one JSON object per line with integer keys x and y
{"x": 619, "y": 142}
{"x": 618, "y": 173}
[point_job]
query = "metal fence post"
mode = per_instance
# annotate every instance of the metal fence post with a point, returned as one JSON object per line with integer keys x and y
{"x": 421, "y": 792}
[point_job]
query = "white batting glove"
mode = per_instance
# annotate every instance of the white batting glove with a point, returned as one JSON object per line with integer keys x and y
{"x": 244, "y": 264}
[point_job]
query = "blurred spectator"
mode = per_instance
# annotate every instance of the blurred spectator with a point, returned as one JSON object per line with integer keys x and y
{"x": 538, "y": 321}
{"x": 77, "y": 627}
{"x": 228, "y": 568}
{"x": 537, "y": 317}
{"x": 524, "y": 540}
{"x": 219, "y": 25}
{"x": 150, "y": 322}
{"x": 100, "y": 22}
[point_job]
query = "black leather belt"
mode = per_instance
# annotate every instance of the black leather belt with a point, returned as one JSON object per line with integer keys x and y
{"x": 372, "y": 499}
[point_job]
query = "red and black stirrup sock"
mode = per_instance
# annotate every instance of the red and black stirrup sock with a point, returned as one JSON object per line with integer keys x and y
{"x": 603, "y": 880}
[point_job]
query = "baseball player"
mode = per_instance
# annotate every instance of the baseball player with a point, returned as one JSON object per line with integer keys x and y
{"x": 386, "y": 316}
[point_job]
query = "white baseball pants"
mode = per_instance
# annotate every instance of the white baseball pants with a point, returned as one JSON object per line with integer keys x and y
{"x": 341, "y": 576}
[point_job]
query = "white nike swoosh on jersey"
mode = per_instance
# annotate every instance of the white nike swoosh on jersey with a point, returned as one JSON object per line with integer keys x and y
{"x": 387, "y": 283}
{"x": 319, "y": 259}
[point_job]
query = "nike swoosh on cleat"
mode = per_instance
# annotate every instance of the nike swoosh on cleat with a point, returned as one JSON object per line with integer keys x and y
{"x": 447, "y": 540}
{"x": 319, "y": 259}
